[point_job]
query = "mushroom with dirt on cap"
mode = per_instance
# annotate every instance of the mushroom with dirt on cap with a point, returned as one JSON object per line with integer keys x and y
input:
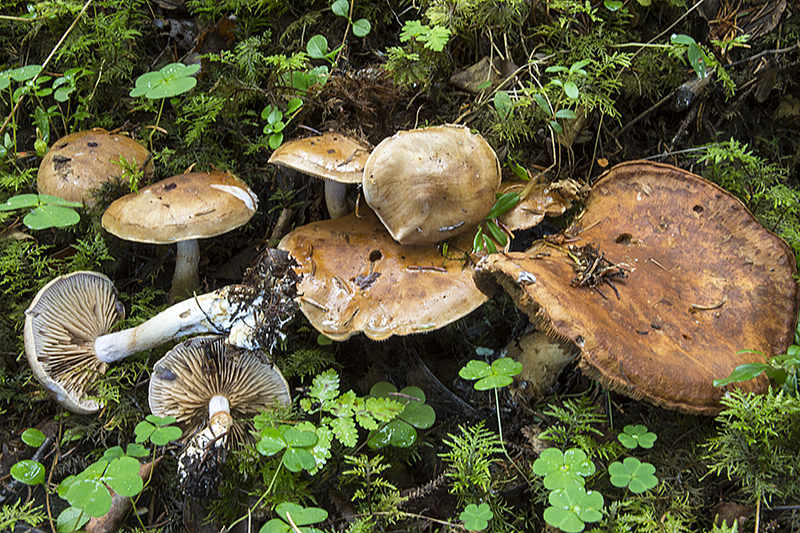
{"x": 181, "y": 210}
{"x": 68, "y": 338}
{"x": 78, "y": 164}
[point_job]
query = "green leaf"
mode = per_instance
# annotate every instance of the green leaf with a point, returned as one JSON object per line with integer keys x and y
{"x": 20, "y": 201}
{"x": 556, "y": 68}
{"x": 556, "y": 127}
{"x": 571, "y": 89}
{"x": 636, "y": 435}
{"x": 71, "y": 519}
{"x": 271, "y": 442}
{"x": 33, "y": 437}
{"x": 503, "y": 104}
{"x": 143, "y": 430}
{"x": 297, "y": 459}
{"x": 90, "y": 495}
{"x": 437, "y": 39}
{"x": 744, "y": 372}
{"x": 361, "y": 28}
{"x": 122, "y": 475}
{"x": 325, "y": 386}
{"x": 612, "y": 5}
{"x": 345, "y": 431}
{"x": 51, "y": 216}
{"x": 476, "y": 517}
{"x": 572, "y": 507}
{"x": 681, "y": 39}
{"x": 302, "y": 516}
{"x": 497, "y": 234}
{"x": 632, "y": 473}
{"x": 340, "y": 8}
{"x": 28, "y": 472}
{"x": 503, "y": 204}
{"x": 566, "y": 114}
{"x": 499, "y": 374}
{"x": 562, "y": 469}
{"x": 172, "y": 80}
{"x": 275, "y": 140}
{"x": 697, "y": 60}
{"x": 24, "y": 73}
{"x": 293, "y": 105}
{"x": 412, "y": 29}
{"x": 317, "y": 47}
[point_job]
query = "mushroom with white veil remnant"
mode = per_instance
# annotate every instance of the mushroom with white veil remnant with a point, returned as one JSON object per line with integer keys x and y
{"x": 69, "y": 342}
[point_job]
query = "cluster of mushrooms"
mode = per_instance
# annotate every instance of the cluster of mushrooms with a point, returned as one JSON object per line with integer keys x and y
{"x": 656, "y": 287}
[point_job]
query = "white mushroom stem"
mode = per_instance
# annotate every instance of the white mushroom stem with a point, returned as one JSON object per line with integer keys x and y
{"x": 187, "y": 275}
{"x": 208, "y": 313}
{"x": 218, "y": 404}
{"x": 336, "y": 199}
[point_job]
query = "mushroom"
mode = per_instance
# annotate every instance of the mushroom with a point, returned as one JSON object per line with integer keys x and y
{"x": 204, "y": 381}
{"x": 333, "y": 157}
{"x": 430, "y": 184}
{"x": 356, "y": 278}
{"x": 67, "y": 339}
{"x": 704, "y": 281}
{"x": 79, "y": 163}
{"x": 182, "y": 209}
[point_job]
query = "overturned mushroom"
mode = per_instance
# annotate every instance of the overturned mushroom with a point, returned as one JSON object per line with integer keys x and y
{"x": 356, "y": 278}
{"x": 67, "y": 326}
{"x": 333, "y": 157}
{"x": 430, "y": 184}
{"x": 78, "y": 164}
{"x": 182, "y": 209}
{"x": 704, "y": 281}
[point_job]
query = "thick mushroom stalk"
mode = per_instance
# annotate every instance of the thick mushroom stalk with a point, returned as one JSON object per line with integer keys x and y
{"x": 187, "y": 271}
{"x": 69, "y": 344}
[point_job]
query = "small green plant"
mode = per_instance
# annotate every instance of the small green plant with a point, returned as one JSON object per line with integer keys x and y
{"x": 157, "y": 430}
{"x": 401, "y": 431}
{"x": 568, "y": 82}
{"x": 361, "y": 27}
{"x": 317, "y": 46}
{"x": 415, "y": 62}
{"x": 499, "y": 374}
{"x": 634, "y": 436}
{"x": 295, "y": 517}
{"x": 44, "y": 211}
{"x": 782, "y": 369}
{"x": 560, "y": 469}
{"x": 470, "y": 458}
{"x": 295, "y": 444}
{"x": 277, "y": 120}
{"x": 168, "y": 82}
{"x": 504, "y": 203}
{"x": 476, "y": 517}
{"x": 637, "y": 476}
{"x": 572, "y": 507}
{"x": 701, "y": 60}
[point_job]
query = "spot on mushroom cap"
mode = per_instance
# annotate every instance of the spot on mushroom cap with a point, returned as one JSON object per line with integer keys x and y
{"x": 61, "y": 324}
{"x": 430, "y": 184}
{"x": 709, "y": 281}
{"x": 80, "y": 162}
{"x": 330, "y": 156}
{"x": 186, "y": 379}
{"x": 194, "y": 205}
{"x": 356, "y": 278}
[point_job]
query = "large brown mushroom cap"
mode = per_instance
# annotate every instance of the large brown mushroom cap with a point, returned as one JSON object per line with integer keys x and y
{"x": 330, "y": 156}
{"x": 186, "y": 379}
{"x": 355, "y": 278}
{"x": 195, "y": 205}
{"x": 79, "y": 163}
{"x": 708, "y": 282}
{"x": 61, "y": 325}
{"x": 430, "y": 184}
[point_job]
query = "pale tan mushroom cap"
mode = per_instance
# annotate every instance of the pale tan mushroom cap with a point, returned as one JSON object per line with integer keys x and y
{"x": 708, "y": 282}
{"x": 430, "y": 184}
{"x": 356, "y": 278}
{"x": 330, "y": 156}
{"x": 194, "y": 371}
{"x": 194, "y": 205}
{"x": 79, "y": 163}
{"x": 61, "y": 325}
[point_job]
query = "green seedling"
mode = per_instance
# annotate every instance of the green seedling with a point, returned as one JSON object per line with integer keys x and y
{"x": 573, "y": 506}
{"x": 697, "y": 57}
{"x": 476, "y": 517}
{"x": 568, "y": 84}
{"x": 634, "y": 474}
{"x": 295, "y": 517}
{"x": 499, "y": 374}
{"x": 168, "y": 82}
{"x": 45, "y": 211}
{"x": 277, "y": 121}
{"x": 157, "y": 430}
{"x": 361, "y": 27}
{"x": 433, "y": 38}
{"x": 26, "y": 76}
{"x": 504, "y": 203}
{"x": 30, "y": 471}
{"x": 561, "y": 469}
{"x": 295, "y": 444}
{"x": 33, "y": 437}
{"x": 638, "y": 435}
{"x": 317, "y": 48}
{"x": 783, "y": 369}
{"x": 402, "y": 430}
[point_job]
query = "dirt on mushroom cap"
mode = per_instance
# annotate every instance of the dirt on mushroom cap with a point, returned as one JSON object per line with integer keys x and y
{"x": 707, "y": 282}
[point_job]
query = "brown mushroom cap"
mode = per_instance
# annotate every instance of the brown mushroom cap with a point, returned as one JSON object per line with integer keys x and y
{"x": 708, "y": 282}
{"x": 530, "y": 211}
{"x": 79, "y": 163}
{"x": 195, "y": 205}
{"x": 186, "y": 379}
{"x": 355, "y": 278}
{"x": 430, "y": 184}
{"x": 61, "y": 325}
{"x": 330, "y": 156}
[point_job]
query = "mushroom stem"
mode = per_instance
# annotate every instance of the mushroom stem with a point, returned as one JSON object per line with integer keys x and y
{"x": 213, "y": 312}
{"x": 218, "y": 404}
{"x": 186, "y": 277}
{"x": 336, "y": 199}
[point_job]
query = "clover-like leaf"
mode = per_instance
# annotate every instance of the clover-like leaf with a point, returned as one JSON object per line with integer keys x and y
{"x": 499, "y": 374}
{"x": 638, "y": 435}
{"x": 71, "y": 519}
{"x": 301, "y": 516}
{"x": 33, "y": 437}
{"x": 562, "y": 469}
{"x": 476, "y": 517}
{"x": 172, "y": 80}
{"x": 634, "y": 474}
{"x": 122, "y": 475}
{"x": 400, "y": 431}
{"x": 28, "y": 472}
{"x": 573, "y": 506}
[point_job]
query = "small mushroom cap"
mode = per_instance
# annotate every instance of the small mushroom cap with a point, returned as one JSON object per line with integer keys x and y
{"x": 356, "y": 278}
{"x": 330, "y": 156}
{"x": 186, "y": 379}
{"x": 430, "y": 184}
{"x": 61, "y": 325}
{"x": 194, "y": 205}
{"x": 708, "y": 282}
{"x": 80, "y": 162}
